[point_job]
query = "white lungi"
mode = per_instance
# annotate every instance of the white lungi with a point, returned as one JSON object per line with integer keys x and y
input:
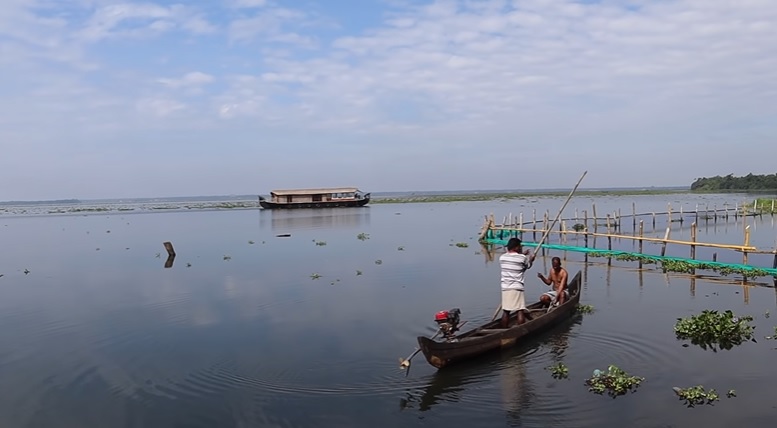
{"x": 513, "y": 300}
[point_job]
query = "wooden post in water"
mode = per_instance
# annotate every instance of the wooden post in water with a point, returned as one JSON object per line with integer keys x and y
{"x": 619, "y": 219}
{"x": 594, "y": 214}
{"x": 715, "y": 212}
{"x": 585, "y": 222}
{"x": 641, "y": 228}
{"x": 170, "y": 254}
{"x": 747, "y": 244}
{"x": 681, "y": 214}
{"x": 633, "y": 215}
{"x": 609, "y": 247}
{"x": 666, "y": 237}
{"x": 736, "y": 210}
{"x": 534, "y": 224}
{"x": 607, "y": 222}
{"x": 669, "y": 213}
{"x": 585, "y": 240}
{"x": 520, "y": 220}
{"x": 693, "y": 239}
{"x": 564, "y": 230}
{"x": 772, "y": 207}
{"x": 697, "y": 213}
{"x": 654, "y": 220}
{"x": 169, "y": 247}
{"x": 714, "y": 257}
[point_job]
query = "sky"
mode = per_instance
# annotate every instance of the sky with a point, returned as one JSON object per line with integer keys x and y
{"x": 107, "y": 99}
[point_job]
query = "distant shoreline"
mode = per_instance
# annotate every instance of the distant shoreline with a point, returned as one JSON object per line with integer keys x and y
{"x": 251, "y": 202}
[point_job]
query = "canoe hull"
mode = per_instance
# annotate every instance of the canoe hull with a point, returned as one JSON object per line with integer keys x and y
{"x": 474, "y": 342}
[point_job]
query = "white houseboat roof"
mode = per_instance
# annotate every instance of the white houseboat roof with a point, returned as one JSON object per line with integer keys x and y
{"x": 315, "y": 191}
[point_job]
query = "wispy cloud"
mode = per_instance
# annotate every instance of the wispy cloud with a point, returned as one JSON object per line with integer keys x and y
{"x": 192, "y": 79}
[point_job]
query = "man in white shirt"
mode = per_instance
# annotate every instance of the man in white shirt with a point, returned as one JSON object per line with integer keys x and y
{"x": 514, "y": 263}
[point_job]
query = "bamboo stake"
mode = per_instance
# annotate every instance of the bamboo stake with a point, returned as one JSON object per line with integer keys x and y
{"x": 693, "y": 239}
{"x": 534, "y": 224}
{"x": 634, "y": 215}
{"x": 669, "y": 213}
{"x": 594, "y": 213}
{"x": 641, "y": 228}
{"x": 747, "y": 244}
{"x": 665, "y": 240}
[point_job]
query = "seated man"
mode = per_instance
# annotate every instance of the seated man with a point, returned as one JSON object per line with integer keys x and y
{"x": 558, "y": 279}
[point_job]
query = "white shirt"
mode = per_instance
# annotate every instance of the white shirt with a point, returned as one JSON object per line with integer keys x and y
{"x": 513, "y": 266}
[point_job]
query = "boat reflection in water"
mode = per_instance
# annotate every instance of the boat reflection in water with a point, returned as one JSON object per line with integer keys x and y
{"x": 507, "y": 370}
{"x": 286, "y": 220}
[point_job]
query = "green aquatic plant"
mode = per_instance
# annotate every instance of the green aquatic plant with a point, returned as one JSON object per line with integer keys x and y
{"x": 320, "y": 243}
{"x": 358, "y": 272}
{"x": 251, "y": 242}
{"x": 682, "y": 266}
{"x": 558, "y": 371}
{"x": 578, "y": 227}
{"x": 363, "y": 236}
{"x": 697, "y": 395}
{"x": 731, "y": 393}
{"x": 378, "y": 262}
{"x": 585, "y": 309}
{"x": 614, "y": 381}
{"x": 400, "y": 248}
{"x": 715, "y": 329}
{"x": 227, "y": 257}
{"x": 462, "y": 244}
{"x": 315, "y": 276}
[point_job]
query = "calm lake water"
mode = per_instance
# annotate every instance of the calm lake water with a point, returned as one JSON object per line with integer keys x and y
{"x": 238, "y": 333}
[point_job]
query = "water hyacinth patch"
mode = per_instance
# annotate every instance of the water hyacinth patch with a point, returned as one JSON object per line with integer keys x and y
{"x": 558, "y": 371}
{"x": 697, "y": 395}
{"x": 713, "y": 329}
{"x": 614, "y": 381}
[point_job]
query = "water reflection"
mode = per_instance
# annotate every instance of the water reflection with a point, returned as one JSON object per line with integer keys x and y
{"x": 514, "y": 370}
{"x": 315, "y": 218}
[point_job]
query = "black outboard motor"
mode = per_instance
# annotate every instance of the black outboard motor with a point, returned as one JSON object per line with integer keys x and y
{"x": 448, "y": 321}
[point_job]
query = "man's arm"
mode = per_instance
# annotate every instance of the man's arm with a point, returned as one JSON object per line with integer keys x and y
{"x": 547, "y": 281}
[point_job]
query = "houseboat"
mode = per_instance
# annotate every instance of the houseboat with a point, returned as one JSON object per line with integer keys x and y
{"x": 315, "y": 198}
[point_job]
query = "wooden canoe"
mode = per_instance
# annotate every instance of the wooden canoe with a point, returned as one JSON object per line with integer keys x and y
{"x": 490, "y": 336}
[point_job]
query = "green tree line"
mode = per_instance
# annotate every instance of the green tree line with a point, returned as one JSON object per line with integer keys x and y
{"x": 729, "y": 182}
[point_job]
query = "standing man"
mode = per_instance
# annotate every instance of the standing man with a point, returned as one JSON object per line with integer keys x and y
{"x": 557, "y": 278}
{"x": 514, "y": 263}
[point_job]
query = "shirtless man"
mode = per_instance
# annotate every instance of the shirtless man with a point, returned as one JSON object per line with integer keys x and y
{"x": 558, "y": 279}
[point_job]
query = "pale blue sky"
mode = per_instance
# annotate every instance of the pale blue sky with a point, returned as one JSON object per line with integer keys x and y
{"x": 104, "y": 99}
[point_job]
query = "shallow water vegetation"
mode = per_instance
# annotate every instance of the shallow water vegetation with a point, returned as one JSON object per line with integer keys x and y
{"x": 682, "y": 266}
{"x": 558, "y": 371}
{"x": 363, "y": 236}
{"x": 697, "y": 395}
{"x": 614, "y": 381}
{"x": 585, "y": 309}
{"x": 713, "y": 329}
{"x": 462, "y": 244}
{"x": 320, "y": 243}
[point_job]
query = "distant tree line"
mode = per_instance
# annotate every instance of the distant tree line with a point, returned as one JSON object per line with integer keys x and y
{"x": 729, "y": 182}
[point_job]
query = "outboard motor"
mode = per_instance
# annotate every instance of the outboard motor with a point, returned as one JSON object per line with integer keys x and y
{"x": 448, "y": 321}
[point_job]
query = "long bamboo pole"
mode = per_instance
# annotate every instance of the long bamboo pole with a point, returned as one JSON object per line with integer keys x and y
{"x": 548, "y": 230}
{"x": 749, "y": 249}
